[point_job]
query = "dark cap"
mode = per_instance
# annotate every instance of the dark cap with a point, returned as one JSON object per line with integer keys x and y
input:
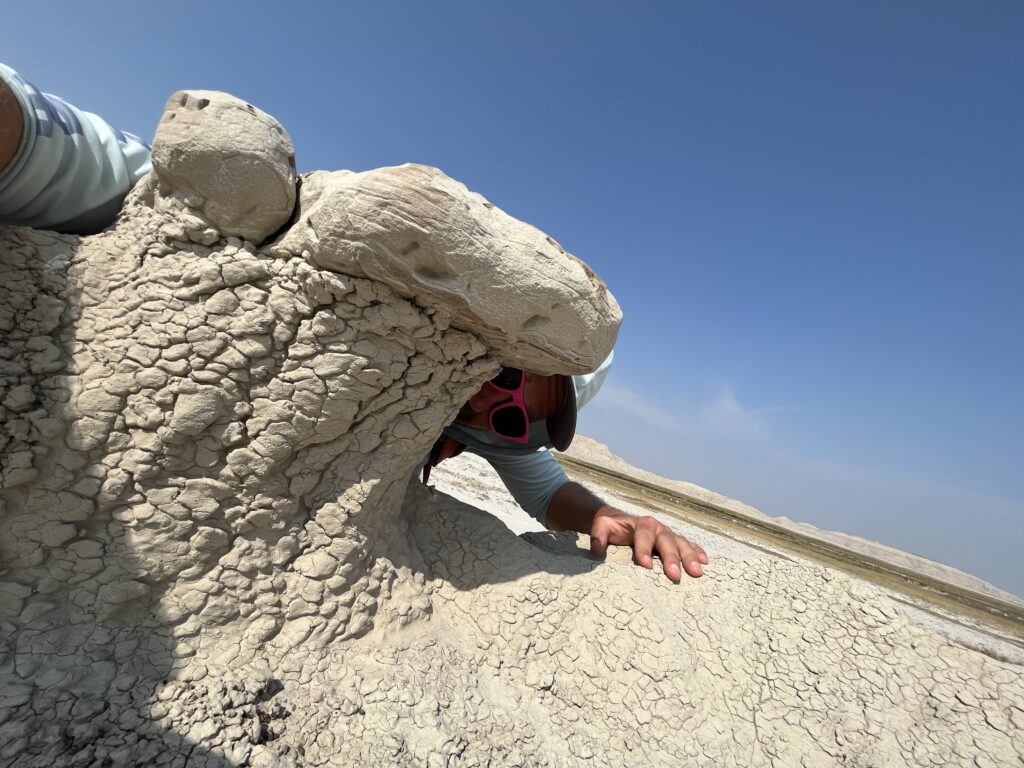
{"x": 562, "y": 425}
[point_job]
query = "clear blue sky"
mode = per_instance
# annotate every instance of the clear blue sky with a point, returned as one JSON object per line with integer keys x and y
{"x": 811, "y": 213}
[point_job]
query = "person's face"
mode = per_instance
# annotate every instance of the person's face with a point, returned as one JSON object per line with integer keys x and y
{"x": 543, "y": 396}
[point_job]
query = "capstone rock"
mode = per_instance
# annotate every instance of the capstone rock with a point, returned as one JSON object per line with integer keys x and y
{"x": 230, "y": 161}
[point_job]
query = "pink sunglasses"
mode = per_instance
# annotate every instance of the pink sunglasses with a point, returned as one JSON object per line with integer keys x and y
{"x": 510, "y": 420}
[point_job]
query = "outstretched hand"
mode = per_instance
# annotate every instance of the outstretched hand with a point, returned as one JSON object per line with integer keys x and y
{"x": 574, "y": 508}
{"x": 647, "y": 536}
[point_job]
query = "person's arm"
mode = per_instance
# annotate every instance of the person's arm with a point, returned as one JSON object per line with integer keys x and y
{"x": 574, "y": 508}
{"x": 540, "y": 485}
{"x": 61, "y": 167}
{"x": 11, "y": 125}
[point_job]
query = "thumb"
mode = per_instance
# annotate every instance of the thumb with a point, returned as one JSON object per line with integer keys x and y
{"x": 599, "y": 536}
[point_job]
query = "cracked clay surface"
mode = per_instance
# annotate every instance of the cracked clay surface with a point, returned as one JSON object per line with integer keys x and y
{"x": 211, "y": 553}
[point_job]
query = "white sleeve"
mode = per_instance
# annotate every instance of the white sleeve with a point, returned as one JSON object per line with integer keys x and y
{"x": 72, "y": 170}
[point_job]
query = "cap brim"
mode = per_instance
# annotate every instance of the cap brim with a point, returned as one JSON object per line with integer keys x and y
{"x": 562, "y": 426}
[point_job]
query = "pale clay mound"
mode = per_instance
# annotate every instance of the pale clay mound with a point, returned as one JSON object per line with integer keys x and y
{"x": 212, "y": 554}
{"x": 593, "y": 452}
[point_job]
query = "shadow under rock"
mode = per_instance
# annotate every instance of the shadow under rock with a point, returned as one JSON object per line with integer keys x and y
{"x": 469, "y": 548}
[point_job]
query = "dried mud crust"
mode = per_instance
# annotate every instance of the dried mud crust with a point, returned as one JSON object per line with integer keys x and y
{"x": 211, "y": 552}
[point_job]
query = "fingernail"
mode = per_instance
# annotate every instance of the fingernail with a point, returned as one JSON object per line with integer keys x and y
{"x": 594, "y": 544}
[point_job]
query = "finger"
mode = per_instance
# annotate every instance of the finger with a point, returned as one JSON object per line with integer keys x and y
{"x": 701, "y": 554}
{"x": 599, "y": 531}
{"x": 643, "y": 546}
{"x": 668, "y": 550}
{"x": 690, "y": 555}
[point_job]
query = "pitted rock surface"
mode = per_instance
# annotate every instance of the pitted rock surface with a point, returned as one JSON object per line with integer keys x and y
{"x": 227, "y": 159}
{"x": 211, "y": 552}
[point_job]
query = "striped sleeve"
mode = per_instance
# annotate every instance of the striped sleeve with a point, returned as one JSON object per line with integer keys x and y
{"x": 72, "y": 170}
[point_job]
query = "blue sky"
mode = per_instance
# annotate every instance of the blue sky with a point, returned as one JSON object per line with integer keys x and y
{"x": 811, "y": 213}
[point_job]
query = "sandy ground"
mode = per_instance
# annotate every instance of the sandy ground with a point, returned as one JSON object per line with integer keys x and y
{"x": 472, "y": 480}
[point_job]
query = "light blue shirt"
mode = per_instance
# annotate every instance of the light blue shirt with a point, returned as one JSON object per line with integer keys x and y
{"x": 72, "y": 170}
{"x": 529, "y": 471}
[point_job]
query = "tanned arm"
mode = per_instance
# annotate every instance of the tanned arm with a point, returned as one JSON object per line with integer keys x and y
{"x": 572, "y": 508}
{"x": 11, "y": 125}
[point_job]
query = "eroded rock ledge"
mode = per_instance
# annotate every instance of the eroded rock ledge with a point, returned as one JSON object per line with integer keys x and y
{"x": 211, "y": 554}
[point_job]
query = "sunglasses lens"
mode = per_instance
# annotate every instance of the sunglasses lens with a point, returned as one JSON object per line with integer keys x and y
{"x": 509, "y": 421}
{"x": 508, "y": 379}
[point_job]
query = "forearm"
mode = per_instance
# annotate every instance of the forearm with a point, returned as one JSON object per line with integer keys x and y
{"x": 11, "y": 125}
{"x": 572, "y": 508}
{"x": 63, "y": 168}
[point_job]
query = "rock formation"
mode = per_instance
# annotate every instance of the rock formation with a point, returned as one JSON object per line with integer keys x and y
{"x": 211, "y": 552}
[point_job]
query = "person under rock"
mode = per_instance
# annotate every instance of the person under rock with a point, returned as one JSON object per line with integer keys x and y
{"x": 67, "y": 170}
